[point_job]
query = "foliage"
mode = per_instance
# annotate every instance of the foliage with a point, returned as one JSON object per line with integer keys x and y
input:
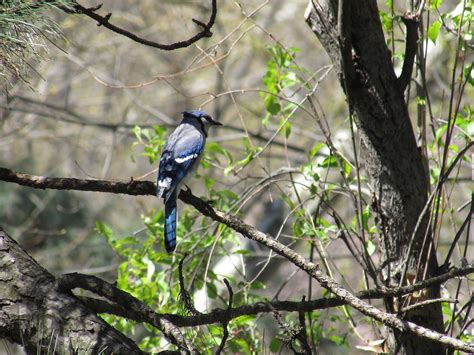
{"x": 282, "y": 74}
{"x": 151, "y": 274}
{"x": 25, "y": 30}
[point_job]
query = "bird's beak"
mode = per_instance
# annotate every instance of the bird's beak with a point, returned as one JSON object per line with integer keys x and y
{"x": 215, "y": 123}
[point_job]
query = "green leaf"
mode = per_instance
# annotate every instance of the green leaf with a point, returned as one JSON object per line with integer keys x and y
{"x": 347, "y": 168}
{"x": 387, "y": 20}
{"x": 366, "y": 214}
{"x": 433, "y": 31}
{"x": 435, "y": 4}
{"x": 446, "y": 309}
{"x": 104, "y": 229}
{"x": 272, "y": 104}
{"x": 370, "y": 247}
{"x": 285, "y": 127}
{"x": 211, "y": 290}
{"x": 329, "y": 161}
{"x": 257, "y": 285}
{"x": 266, "y": 119}
{"x": 242, "y": 252}
{"x": 469, "y": 74}
{"x": 420, "y": 101}
{"x": 275, "y": 345}
{"x": 152, "y": 141}
{"x": 439, "y": 133}
{"x": 150, "y": 268}
{"x": 137, "y": 132}
{"x": 239, "y": 346}
{"x": 228, "y": 169}
{"x": 247, "y": 319}
{"x": 316, "y": 149}
{"x": 289, "y": 80}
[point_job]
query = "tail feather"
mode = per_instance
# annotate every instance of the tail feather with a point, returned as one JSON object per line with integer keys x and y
{"x": 170, "y": 224}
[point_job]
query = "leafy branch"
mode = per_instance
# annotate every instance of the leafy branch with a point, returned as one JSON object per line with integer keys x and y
{"x": 250, "y": 232}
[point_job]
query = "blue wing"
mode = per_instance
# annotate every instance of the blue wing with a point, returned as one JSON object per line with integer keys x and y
{"x": 176, "y": 162}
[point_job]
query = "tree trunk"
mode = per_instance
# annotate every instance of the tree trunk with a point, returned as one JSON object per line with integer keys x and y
{"x": 397, "y": 177}
{"x": 45, "y": 320}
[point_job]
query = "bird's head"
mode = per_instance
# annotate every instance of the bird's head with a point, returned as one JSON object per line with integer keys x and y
{"x": 204, "y": 119}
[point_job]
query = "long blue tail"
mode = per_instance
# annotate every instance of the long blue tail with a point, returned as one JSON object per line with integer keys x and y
{"x": 170, "y": 224}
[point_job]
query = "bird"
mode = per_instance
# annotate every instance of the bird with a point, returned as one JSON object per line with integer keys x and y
{"x": 179, "y": 160}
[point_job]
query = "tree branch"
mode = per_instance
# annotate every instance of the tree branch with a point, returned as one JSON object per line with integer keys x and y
{"x": 345, "y": 43}
{"x": 411, "y": 22}
{"x": 104, "y": 21}
{"x": 35, "y": 313}
{"x": 302, "y": 336}
{"x": 51, "y": 111}
{"x": 226, "y": 322}
{"x": 219, "y": 315}
{"x": 131, "y": 187}
{"x": 68, "y": 282}
{"x": 250, "y": 232}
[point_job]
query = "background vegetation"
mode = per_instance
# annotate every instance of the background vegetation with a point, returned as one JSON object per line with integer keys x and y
{"x": 82, "y": 101}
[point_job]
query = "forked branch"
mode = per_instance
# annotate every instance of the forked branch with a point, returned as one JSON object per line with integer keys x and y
{"x": 91, "y": 12}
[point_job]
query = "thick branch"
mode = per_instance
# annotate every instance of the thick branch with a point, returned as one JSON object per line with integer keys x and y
{"x": 131, "y": 187}
{"x": 35, "y": 314}
{"x": 411, "y": 22}
{"x": 345, "y": 42}
{"x": 148, "y": 188}
{"x": 102, "y": 288}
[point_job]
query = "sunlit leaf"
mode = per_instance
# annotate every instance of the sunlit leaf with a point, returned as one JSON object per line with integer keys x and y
{"x": 370, "y": 247}
{"x": 433, "y": 31}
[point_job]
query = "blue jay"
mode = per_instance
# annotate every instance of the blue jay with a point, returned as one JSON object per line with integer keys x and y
{"x": 179, "y": 160}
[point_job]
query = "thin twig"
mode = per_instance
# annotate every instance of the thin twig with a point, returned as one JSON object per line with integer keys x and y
{"x": 225, "y": 323}
{"x": 185, "y": 299}
{"x": 424, "y": 303}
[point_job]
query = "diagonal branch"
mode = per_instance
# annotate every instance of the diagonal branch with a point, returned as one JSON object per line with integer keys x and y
{"x": 218, "y": 315}
{"x": 105, "y": 289}
{"x": 248, "y": 231}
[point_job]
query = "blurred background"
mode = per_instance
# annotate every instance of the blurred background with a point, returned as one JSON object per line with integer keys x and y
{"x": 73, "y": 109}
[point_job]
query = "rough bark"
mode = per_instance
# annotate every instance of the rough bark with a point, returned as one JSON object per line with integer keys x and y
{"x": 44, "y": 320}
{"x": 393, "y": 162}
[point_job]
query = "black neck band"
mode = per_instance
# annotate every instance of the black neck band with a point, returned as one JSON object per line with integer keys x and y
{"x": 202, "y": 127}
